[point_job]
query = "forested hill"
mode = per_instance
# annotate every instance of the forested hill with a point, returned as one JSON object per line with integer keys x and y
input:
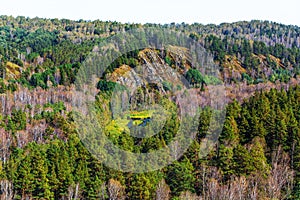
{"x": 253, "y": 51}
{"x": 269, "y": 32}
{"x": 257, "y": 155}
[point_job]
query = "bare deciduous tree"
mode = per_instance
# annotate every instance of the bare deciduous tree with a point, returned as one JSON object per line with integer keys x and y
{"x": 163, "y": 191}
{"x": 187, "y": 195}
{"x": 281, "y": 178}
{"x": 7, "y": 190}
{"x": 116, "y": 190}
{"x": 73, "y": 192}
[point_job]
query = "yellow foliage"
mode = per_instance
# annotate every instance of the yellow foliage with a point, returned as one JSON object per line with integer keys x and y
{"x": 13, "y": 70}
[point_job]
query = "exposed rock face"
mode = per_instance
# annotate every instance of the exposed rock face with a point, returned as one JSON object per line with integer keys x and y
{"x": 126, "y": 76}
{"x": 153, "y": 70}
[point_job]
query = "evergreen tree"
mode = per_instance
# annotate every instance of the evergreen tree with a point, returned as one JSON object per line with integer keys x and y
{"x": 180, "y": 177}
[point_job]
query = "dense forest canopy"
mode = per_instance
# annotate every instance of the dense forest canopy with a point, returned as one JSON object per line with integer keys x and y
{"x": 257, "y": 155}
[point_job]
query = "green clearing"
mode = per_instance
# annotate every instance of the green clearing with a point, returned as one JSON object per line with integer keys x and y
{"x": 119, "y": 125}
{"x": 134, "y": 115}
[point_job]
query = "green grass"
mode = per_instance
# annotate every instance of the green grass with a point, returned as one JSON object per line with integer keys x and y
{"x": 141, "y": 115}
{"x": 119, "y": 125}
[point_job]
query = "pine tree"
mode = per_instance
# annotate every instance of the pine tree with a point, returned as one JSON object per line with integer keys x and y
{"x": 180, "y": 177}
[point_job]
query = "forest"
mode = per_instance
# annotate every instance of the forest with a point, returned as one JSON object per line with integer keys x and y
{"x": 256, "y": 156}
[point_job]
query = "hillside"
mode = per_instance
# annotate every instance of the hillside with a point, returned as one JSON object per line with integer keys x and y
{"x": 137, "y": 101}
